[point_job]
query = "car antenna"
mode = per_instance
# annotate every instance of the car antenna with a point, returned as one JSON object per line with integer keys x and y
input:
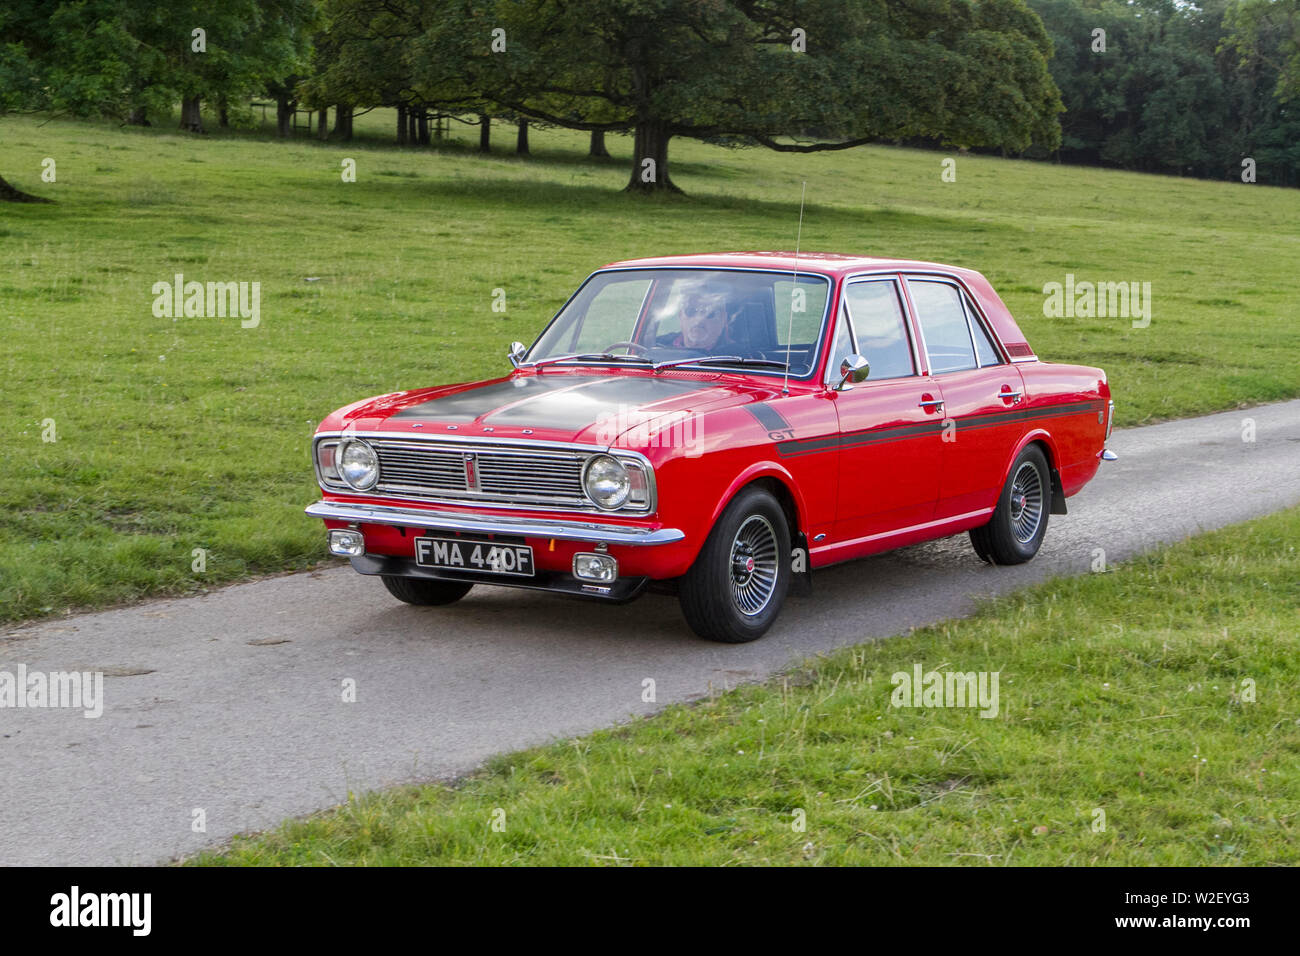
{"x": 794, "y": 287}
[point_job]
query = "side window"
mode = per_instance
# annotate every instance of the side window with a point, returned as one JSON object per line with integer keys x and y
{"x": 943, "y": 324}
{"x": 984, "y": 348}
{"x": 880, "y": 327}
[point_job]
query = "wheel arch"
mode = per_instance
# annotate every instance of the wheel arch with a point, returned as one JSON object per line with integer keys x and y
{"x": 778, "y": 482}
{"x": 1043, "y": 439}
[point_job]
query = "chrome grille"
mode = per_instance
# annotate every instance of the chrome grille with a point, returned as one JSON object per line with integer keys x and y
{"x": 530, "y": 474}
{"x": 476, "y": 472}
{"x": 419, "y": 467}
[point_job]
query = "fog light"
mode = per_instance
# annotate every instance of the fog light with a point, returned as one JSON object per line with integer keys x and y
{"x": 347, "y": 543}
{"x": 595, "y": 567}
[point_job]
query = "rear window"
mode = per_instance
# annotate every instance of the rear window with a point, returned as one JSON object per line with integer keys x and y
{"x": 943, "y": 325}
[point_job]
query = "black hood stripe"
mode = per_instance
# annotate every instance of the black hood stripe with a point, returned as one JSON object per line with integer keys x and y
{"x": 552, "y": 401}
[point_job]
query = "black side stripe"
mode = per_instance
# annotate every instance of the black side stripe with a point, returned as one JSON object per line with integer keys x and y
{"x": 768, "y": 417}
{"x": 875, "y": 436}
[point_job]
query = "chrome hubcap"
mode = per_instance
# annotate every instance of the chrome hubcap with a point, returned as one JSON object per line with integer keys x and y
{"x": 1026, "y": 503}
{"x": 753, "y": 565}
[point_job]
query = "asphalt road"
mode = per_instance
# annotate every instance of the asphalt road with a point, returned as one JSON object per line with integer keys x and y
{"x": 232, "y": 702}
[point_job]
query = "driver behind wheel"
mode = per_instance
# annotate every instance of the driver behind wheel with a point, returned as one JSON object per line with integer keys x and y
{"x": 703, "y": 317}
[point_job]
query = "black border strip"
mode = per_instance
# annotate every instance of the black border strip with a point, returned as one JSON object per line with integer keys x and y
{"x": 874, "y": 436}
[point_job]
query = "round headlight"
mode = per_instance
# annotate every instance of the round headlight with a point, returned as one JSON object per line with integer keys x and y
{"x": 358, "y": 464}
{"x": 606, "y": 482}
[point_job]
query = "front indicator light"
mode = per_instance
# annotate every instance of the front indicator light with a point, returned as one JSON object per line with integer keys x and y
{"x": 348, "y": 544}
{"x": 595, "y": 567}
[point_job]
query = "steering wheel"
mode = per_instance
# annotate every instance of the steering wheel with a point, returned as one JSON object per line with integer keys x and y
{"x": 635, "y": 347}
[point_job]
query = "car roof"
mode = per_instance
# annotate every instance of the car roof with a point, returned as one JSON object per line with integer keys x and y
{"x": 837, "y": 266}
{"x": 827, "y": 263}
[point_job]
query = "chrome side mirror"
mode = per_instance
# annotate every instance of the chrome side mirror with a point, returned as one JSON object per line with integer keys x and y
{"x": 853, "y": 369}
{"x": 516, "y": 353}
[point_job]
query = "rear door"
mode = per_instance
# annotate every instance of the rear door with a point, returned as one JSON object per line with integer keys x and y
{"x": 982, "y": 394}
{"x": 889, "y": 424}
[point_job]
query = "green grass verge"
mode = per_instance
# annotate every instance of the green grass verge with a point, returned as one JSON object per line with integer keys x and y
{"x": 175, "y": 435}
{"x": 1163, "y": 694}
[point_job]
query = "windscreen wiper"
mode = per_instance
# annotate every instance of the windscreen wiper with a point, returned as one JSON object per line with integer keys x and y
{"x": 730, "y": 360}
{"x": 579, "y": 356}
{"x": 697, "y": 361}
{"x": 722, "y": 360}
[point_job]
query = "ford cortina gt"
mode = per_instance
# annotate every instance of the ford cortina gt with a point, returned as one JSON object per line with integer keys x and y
{"x": 719, "y": 426}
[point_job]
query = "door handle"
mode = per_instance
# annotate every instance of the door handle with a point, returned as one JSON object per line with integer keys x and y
{"x": 930, "y": 403}
{"x": 1012, "y": 393}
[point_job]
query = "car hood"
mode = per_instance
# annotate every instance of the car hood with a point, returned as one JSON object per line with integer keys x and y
{"x": 585, "y": 409}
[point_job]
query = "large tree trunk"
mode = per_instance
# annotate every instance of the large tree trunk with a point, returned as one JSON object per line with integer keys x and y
{"x": 598, "y": 149}
{"x": 284, "y": 110}
{"x": 484, "y": 133}
{"x": 343, "y": 122}
{"x": 323, "y": 123}
{"x": 223, "y": 113}
{"x": 10, "y": 194}
{"x": 138, "y": 117}
{"x": 401, "y": 126}
{"x": 521, "y": 140}
{"x": 412, "y": 133}
{"x": 651, "y": 144}
{"x": 191, "y": 115}
{"x": 422, "y": 121}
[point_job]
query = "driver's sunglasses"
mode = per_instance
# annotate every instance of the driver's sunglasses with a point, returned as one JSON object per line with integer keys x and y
{"x": 704, "y": 310}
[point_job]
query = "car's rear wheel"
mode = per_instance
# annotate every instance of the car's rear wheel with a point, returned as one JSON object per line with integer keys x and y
{"x": 738, "y": 583}
{"x": 1019, "y": 522}
{"x": 424, "y": 591}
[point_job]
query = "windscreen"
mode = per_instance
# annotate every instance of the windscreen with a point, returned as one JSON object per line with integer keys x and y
{"x": 752, "y": 320}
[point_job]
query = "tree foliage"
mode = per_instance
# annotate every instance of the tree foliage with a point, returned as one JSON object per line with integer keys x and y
{"x": 1180, "y": 88}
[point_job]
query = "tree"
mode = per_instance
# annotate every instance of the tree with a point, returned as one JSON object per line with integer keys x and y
{"x": 1269, "y": 31}
{"x": 823, "y": 74}
{"x": 386, "y": 53}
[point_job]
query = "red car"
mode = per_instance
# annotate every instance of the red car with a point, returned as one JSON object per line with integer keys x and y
{"x": 719, "y": 425}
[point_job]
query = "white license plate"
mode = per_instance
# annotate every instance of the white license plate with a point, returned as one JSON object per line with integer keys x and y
{"x": 457, "y": 554}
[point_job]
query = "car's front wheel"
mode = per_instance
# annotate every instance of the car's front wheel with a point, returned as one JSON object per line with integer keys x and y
{"x": 424, "y": 591}
{"x": 737, "y": 585}
{"x": 1019, "y": 522}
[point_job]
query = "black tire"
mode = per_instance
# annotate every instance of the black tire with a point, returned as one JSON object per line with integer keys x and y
{"x": 1019, "y": 523}
{"x": 738, "y": 604}
{"x": 424, "y": 591}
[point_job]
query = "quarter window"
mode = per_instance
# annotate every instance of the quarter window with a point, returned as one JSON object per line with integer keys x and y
{"x": 842, "y": 348}
{"x": 984, "y": 347}
{"x": 943, "y": 325}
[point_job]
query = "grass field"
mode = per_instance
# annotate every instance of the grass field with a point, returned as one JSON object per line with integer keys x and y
{"x": 1148, "y": 715}
{"x": 181, "y": 434}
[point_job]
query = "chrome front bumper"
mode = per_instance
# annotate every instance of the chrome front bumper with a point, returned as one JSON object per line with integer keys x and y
{"x": 487, "y": 524}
